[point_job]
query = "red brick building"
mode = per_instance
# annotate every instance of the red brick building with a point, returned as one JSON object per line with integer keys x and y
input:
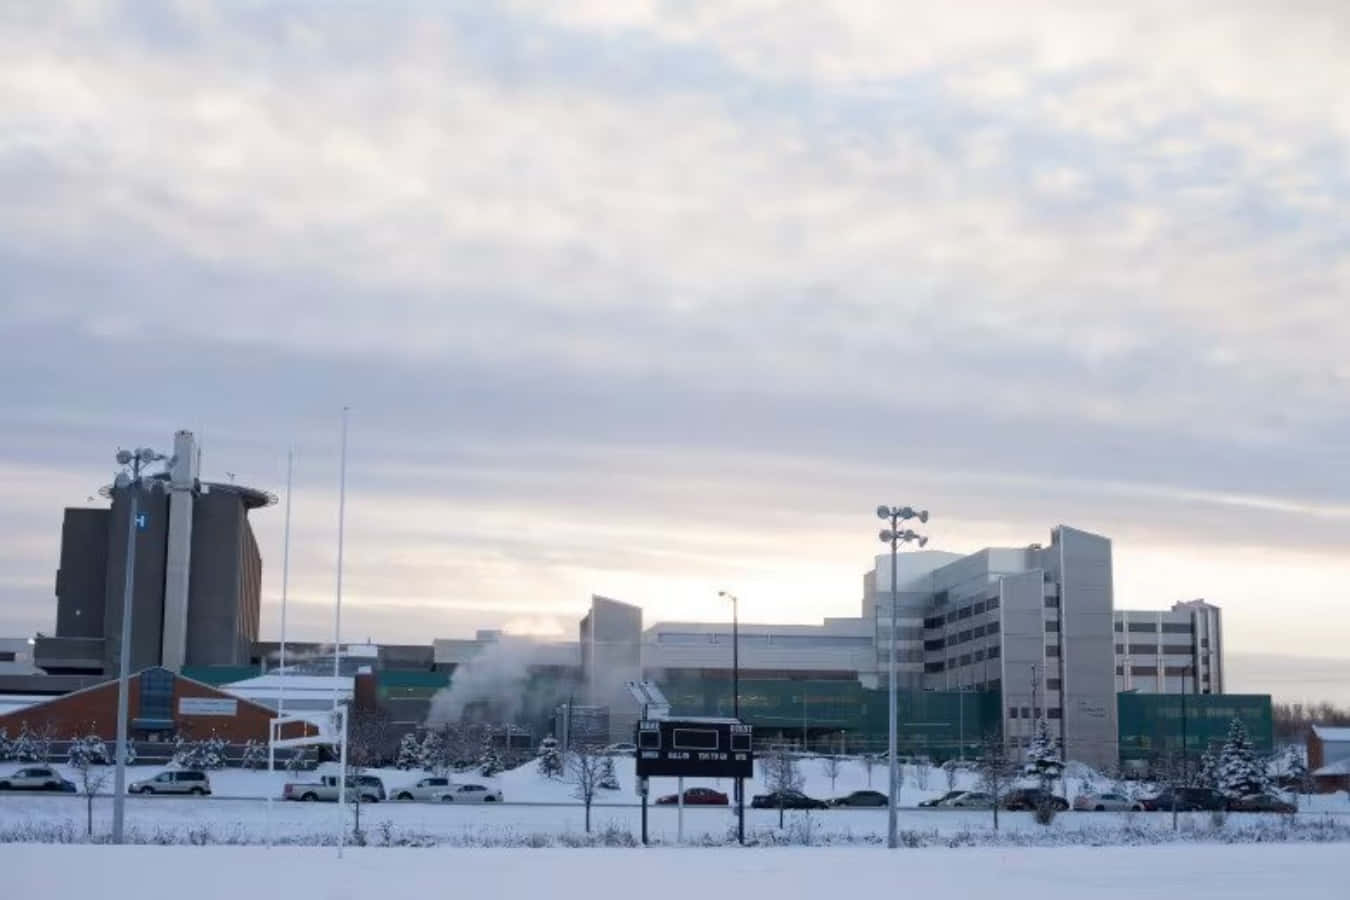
{"x": 160, "y": 705}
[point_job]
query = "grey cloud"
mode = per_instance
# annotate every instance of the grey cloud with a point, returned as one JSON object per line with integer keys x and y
{"x": 642, "y": 277}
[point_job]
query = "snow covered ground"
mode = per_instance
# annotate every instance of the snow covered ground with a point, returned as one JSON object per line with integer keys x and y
{"x": 1196, "y": 872}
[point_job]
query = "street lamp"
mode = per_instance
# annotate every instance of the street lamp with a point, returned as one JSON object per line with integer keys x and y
{"x": 736, "y": 703}
{"x": 131, "y": 483}
{"x": 895, "y": 536}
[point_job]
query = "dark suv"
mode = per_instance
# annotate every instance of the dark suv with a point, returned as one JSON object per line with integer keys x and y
{"x": 1033, "y": 798}
{"x": 1188, "y": 800}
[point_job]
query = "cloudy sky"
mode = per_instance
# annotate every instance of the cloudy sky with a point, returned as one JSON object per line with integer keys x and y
{"x": 656, "y": 297}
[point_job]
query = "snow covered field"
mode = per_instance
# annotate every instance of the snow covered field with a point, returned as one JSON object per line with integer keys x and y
{"x": 1203, "y": 872}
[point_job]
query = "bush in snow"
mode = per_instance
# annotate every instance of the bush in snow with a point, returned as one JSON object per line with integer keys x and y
{"x": 489, "y": 760}
{"x": 203, "y": 754}
{"x": 87, "y": 751}
{"x": 255, "y": 755}
{"x": 608, "y": 780}
{"x": 409, "y": 753}
{"x": 1240, "y": 773}
{"x": 434, "y": 753}
{"x": 4, "y": 745}
{"x": 1207, "y": 773}
{"x": 550, "y": 758}
{"x": 30, "y": 746}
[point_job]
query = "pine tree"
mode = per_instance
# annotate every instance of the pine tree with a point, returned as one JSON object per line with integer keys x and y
{"x": 550, "y": 758}
{"x": 609, "y": 781}
{"x": 489, "y": 761}
{"x": 409, "y": 753}
{"x": 1207, "y": 775}
{"x": 1240, "y": 773}
{"x": 255, "y": 755}
{"x": 25, "y": 748}
{"x": 431, "y": 754}
{"x": 1296, "y": 769}
{"x": 87, "y": 751}
{"x": 6, "y": 752}
{"x": 213, "y": 752}
{"x": 1043, "y": 756}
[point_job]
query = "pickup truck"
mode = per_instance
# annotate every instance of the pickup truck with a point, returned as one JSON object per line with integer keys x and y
{"x": 326, "y": 788}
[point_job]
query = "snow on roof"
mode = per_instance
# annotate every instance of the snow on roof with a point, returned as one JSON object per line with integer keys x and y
{"x": 1341, "y": 767}
{"x": 1328, "y": 733}
{"x": 275, "y": 682}
{"x": 10, "y": 703}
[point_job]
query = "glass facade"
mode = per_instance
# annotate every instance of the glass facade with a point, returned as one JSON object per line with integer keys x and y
{"x": 1151, "y": 725}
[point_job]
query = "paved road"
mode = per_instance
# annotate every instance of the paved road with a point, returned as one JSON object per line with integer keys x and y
{"x": 880, "y": 810}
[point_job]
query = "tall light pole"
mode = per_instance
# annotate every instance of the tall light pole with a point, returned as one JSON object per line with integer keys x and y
{"x": 137, "y": 460}
{"x": 895, "y": 536}
{"x": 736, "y": 703}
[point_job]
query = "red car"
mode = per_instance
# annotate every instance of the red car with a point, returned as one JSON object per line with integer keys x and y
{"x": 695, "y": 797}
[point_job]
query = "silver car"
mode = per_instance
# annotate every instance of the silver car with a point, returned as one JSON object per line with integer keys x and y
{"x": 176, "y": 782}
{"x": 969, "y": 800}
{"x": 33, "y": 778}
{"x": 469, "y": 793}
{"x": 426, "y": 789}
{"x": 1104, "y": 802}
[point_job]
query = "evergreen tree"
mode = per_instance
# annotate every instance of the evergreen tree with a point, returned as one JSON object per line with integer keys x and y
{"x": 255, "y": 755}
{"x": 25, "y": 747}
{"x": 489, "y": 760}
{"x": 1296, "y": 769}
{"x": 6, "y": 752}
{"x": 1240, "y": 773}
{"x": 213, "y": 752}
{"x": 431, "y": 754}
{"x": 1043, "y": 756}
{"x": 608, "y": 780}
{"x": 87, "y": 751}
{"x": 1207, "y": 774}
{"x": 409, "y": 753}
{"x": 550, "y": 758}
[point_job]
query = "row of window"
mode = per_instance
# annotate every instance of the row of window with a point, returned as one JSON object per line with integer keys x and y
{"x": 1152, "y": 627}
{"x": 1170, "y": 671}
{"x": 1026, "y": 712}
{"x": 964, "y": 612}
{"x": 1152, "y": 649}
{"x": 963, "y": 660}
{"x": 961, "y": 637}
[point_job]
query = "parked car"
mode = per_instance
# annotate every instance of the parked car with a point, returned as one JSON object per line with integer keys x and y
{"x": 1105, "y": 802}
{"x": 36, "y": 778}
{"x": 426, "y": 789}
{"x": 326, "y": 788}
{"x": 969, "y": 800}
{"x": 695, "y": 796}
{"x": 786, "y": 800}
{"x": 469, "y": 793}
{"x": 621, "y": 749}
{"x": 1267, "y": 803}
{"x": 861, "y": 798}
{"x": 939, "y": 801}
{"x": 1032, "y": 798}
{"x": 184, "y": 781}
{"x": 1188, "y": 800}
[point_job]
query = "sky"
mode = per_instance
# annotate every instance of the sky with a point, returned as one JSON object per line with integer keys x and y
{"x": 655, "y": 298}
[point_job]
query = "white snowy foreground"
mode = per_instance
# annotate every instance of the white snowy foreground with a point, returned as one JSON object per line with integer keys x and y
{"x": 1199, "y": 872}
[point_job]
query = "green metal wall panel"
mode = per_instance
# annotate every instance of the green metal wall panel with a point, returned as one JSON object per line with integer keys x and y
{"x": 1151, "y": 724}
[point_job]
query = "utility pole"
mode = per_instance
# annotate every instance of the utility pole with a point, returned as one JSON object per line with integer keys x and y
{"x": 895, "y": 537}
{"x": 132, "y": 485}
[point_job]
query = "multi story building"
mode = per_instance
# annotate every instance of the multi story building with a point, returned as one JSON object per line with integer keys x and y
{"x": 198, "y": 575}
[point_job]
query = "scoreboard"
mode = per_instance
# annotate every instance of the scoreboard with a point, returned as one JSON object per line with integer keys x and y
{"x": 694, "y": 748}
